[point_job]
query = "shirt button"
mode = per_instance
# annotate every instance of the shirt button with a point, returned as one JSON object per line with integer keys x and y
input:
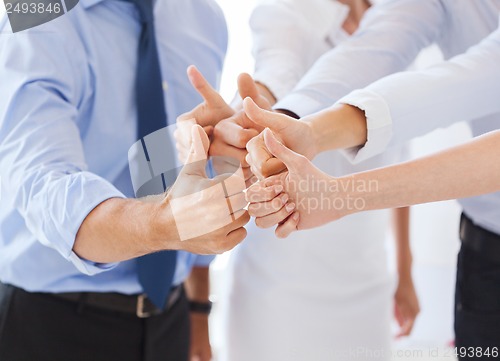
{"x": 164, "y": 85}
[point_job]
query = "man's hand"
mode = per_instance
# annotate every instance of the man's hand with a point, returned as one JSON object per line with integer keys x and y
{"x": 200, "y": 340}
{"x": 294, "y": 134}
{"x": 310, "y": 193}
{"x": 208, "y": 213}
{"x": 406, "y": 306}
{"x": 207, "y": 114}
{"x": 231, "y": 135}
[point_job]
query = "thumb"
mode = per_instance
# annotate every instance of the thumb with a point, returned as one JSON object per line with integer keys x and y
{"x": 292, "y": 160}
{"x": 274, "y": 121}
{"x": 247, "y": 87}
{"x": 203, "y": 87}
{"x": 198, "y": 155}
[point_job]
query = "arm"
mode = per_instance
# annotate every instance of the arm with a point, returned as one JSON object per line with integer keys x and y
{"x": 410, "y": 104}
{"x": 198, "y": 290}
{"x": 281, "y": 30}
{"x": 390, "y": 36}
{"x": 406, "y": 302}
{"x": 465, "y": 171}
{"x": 367, "y": 121}
{"x": 121, "y": 229}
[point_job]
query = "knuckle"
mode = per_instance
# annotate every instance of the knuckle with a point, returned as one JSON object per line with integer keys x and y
{"x": 280, "y": 233}
{"x": 252, "y": 144}
{"x": 259, "y": 223}
{"x": 242, "y": 138}
{"x": 302, "y": 161}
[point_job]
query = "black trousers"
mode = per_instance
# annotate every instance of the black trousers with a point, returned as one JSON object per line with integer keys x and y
{"x": 477, "y": 296}
{"x": 41, "y": 327}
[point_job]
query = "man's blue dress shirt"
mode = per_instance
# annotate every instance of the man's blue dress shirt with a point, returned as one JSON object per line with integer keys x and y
{"x": 67, "y": 120}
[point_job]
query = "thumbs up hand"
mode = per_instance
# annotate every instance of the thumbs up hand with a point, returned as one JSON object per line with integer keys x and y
{"x": 207, "y": 114}
{"x": 295, "y": 134}
{"x": 231, "y": 135}
{"x": 209, "y": 213}
{"x": 311, "y": 196}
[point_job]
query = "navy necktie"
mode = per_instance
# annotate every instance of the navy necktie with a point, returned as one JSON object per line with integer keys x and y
{"x": 155, "y": 271}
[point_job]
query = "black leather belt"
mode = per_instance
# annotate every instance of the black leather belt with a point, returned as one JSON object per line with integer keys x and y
{"x": 139, "y": 305}
{"x": 479, "y": 239}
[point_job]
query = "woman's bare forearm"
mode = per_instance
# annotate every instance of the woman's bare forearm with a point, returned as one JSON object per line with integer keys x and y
{"x": 465, "y": 171}
{"x": 401, "y": 225}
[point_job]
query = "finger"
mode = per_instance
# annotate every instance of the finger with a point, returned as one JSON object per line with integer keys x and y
{"x": 203, "y": 87}
{"x": 235, "y": 237}
{"x": 251, "y": 181}
{"x": 197, "y": 159}
{"x": 237, "y": 202}
{"x": 234, "y": 183}
{"x": 258, "y": 155}
{"x": 406, "y": 328}
{"x": 293, "y": 161}
{"x": 247, "y": 173}
{"x": 265, "y": 118}
{"x": 288, "y": 226}
{"x": 272, "y": 166}
{"x": 234, "y": 134}
{"x": 263, "y": 209}
{"x": 231, "y": 155}
{"x": 247, "y": 87}
{"x": 241, "y": 218}
{"x": 209, "y": 129}
{"x": 275, "y": 218}
{"x": 181, "y": 146}
{"x": 261, "y": 193}
{"x": 226, "y": 165}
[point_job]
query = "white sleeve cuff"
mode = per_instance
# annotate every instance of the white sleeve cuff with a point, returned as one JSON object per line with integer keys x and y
{"x": 300, "y": 104}
{"x": 378, "y": 122}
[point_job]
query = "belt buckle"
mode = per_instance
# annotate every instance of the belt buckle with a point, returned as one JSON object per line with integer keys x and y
{"x": 140, "y": 313}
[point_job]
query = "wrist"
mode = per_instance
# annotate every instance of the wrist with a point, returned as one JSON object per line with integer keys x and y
{"x": 340, "y": 198}
{"x": 199, "y": 307}
{"x": 339, "y": 127}
{"x": 266, "y": 93}
{"x": 162, "y": 230}
{"x": 351, "y": 195}
{"x": 405, "y": 273}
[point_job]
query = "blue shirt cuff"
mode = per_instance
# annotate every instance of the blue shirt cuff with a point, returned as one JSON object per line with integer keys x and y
{"x": 203, "y": 261}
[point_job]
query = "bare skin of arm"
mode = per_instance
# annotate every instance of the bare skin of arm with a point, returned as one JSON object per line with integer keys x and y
{"x": 464, "y": 171}
{"x": 406, "y": 302}
{"x": 198, "y": 290}
{"x": 122, "y": 229}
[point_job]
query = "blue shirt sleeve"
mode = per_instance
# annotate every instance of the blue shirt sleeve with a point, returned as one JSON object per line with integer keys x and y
{"x": 42, "y": 163}
{"x": 203, "y": 261}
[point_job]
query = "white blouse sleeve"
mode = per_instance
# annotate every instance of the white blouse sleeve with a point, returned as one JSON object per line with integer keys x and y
{"x": 390, "y": 36}
{"x": 289, "y": 36}
{"x": 410, "y": 104}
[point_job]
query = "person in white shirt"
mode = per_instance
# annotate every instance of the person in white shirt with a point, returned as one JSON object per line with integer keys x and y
{"x": 323, "y": 293}
{"x": 280, "y": 304}
{"x": 405, "y": 105}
